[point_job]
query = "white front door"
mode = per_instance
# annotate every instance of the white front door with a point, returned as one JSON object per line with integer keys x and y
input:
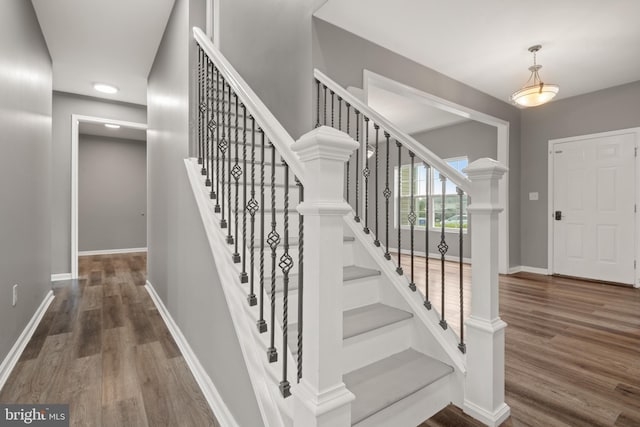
{"x": 593, "y": 208}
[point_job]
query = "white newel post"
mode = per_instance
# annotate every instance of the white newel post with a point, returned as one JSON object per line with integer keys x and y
{"x": 322, "y": 400}
{"x": 484, "y": 384}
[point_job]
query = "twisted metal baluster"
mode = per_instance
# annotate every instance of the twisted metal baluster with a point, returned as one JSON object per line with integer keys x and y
{"x": 243, "y": 276}
{"x": 387, "y": 196}
{"x": 427, "y": 303}
{"x": 273, "y": 240}
{"x": 213, "y": 194}
{"x": 324, "y": 103}
{"x": 203, "y": 116}
{"x": 300, "y": 276}
{"x": 365, "y": 173}
{"x": 357, "y": 174}
{"x": 412, "y": 218}
{"x": 208, "y": 128}
{"x": 317, "y": 103}
{"x": 200, "y": 59}
{"x": 224, "y": 144}
{"x": 376, "y": 149}
{"x": 332, "y": 110}
{"x": 443, "y": 248}
{"x": 252, "y": 207}
{"x": 461, "y": 346}
{"x": 286, "y": 263}
{"x": 229, "y": 236}
{"x": 218, "y": 127}
{"x": 236, "y": 172}
{"x": 399, "y": 145}
{"x": 262, "y": 325}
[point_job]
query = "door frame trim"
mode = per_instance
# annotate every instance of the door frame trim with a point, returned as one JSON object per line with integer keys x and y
{"x": 76, "y": 119}
{"x": 550, "y": 194}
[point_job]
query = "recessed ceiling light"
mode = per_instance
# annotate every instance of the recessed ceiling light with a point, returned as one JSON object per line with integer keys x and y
{"x": 112, "y": 126}
{"x": 105, "y": 88}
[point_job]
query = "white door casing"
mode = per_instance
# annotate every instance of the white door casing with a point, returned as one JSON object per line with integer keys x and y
{"x": 592, "y": 206}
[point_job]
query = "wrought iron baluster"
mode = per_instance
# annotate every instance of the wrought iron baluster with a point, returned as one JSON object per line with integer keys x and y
{"x": 357, "y": 217}
{"x": 236, "y": 172}
{"x": 244, "y": 278}
{"x": 387, "y": 196}
{"x": 229, "y": 236}
{"x": 224, "y": 144}
{"x": 376, "y": 149}
{"x": 332, "y": 110}
{"x": 207, "y": 128}
{"x": 317, "y": 103}
{"x": 273, "y": 240}
{"x": 200, "y": 59}
{"x": 215, "y": 134}
{"x": 300, "y": 276}
{"x": 286, "y": 263}
{"x": 262, "y": 325}
{"x": 412, "y": 219}
{"x": 203, "y": 115}
{"x": 324, "y": 103}
{"x": 427, "y": 302}
{"x": 461, "y": 346}
{"x": 443, "y": 248}
{"x": 252, "y": 207}
{"x": 365, "y": 173}
{"x": 399, "y": 268}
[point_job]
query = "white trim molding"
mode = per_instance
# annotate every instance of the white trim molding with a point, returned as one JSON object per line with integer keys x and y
{"x": 75, "y": 127}
{"x": 14, "y": 354}
{"x": 112, "y": 251}
{"x": 214, "y": 399}
{"x": 527, "y": 269}
{"x": 60, "y": 276}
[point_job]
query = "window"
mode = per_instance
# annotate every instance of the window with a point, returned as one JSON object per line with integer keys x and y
{"x": 422, "y": 182}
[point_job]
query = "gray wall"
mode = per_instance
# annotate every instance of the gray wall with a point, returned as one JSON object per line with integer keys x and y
{"x": 112, "y": 193}
{"x": 601, "y": 111}
{"x": 342, "y": 56}
{"x": 268, "y": 42}
{"x": 180, "y": 263}
{"x": 64, "y": 105}
{"x": 25, "y": 167}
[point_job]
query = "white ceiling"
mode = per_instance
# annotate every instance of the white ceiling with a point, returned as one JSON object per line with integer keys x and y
{"x": 99, "y": 129}
{"x": 587, "y": 44}
{"x": 108, "y": 41}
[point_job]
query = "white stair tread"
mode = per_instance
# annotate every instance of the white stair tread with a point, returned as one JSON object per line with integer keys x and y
{"x": 383, "y": 383}
{"x": 370, "y": 317}
{"x": 355, "y": 272}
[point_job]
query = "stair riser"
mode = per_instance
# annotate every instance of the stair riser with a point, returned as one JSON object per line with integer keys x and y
{"x": 358, "y": 293}
{"x": 375, "y": 345}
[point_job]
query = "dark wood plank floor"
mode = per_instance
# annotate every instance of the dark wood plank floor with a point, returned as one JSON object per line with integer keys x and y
{"x": 103, "y": 348}
{"x": 572, "y": 351}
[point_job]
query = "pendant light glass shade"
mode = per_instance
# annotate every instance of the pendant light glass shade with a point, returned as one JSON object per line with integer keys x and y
{"x": 538, "y": 92}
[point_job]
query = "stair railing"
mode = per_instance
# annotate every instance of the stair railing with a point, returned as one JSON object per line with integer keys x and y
{"x": 338, "y": 108}
{"x": 255, "y": 172}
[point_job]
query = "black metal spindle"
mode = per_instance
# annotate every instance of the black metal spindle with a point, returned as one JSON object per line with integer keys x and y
{"x": 236, "y": 172}
{"x": 218, "y": 178}
{"x": 375, "y": 187}
{"x": 357, "y": 174}
{"x": 244, "y": 278}
{"x": 461, "y": 346}
{"x": 300, "y": 276}
{"x": 412, "y": 219}
{"x": 427, "y": 302}
{"x": 332, "y": 110}
{"x": 207, "y": 129}
{"x": 273, "y": 240}
{"x": 252, "y": 208}
{"x": 214, "y": 132}
{"x": 365, "y": 173}
{"x": 229, "y": 236}
{"x": 203, "y": 116}
{"x": 224, "y": 144}
{"x": 199, "y": 100}
{"x": 399, "y": 268}
{"x": 317, "y": 103}
{"x": 262, "y": 324}
{"x": 387, "y": 196}
{"x": 324, "y": 103}
{"x": 443, "y": 248}
{"x": 286, "y": 263}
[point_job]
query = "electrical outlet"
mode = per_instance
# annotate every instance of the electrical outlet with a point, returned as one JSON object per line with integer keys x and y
{"x": 15, "y": 295}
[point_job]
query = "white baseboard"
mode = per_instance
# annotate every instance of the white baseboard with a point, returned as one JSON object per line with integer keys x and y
{"x": 61, "y": 276}
{"x": 112, "y": 251}
{"x": 455, "y": 258}
{"x": 219, "y": 408}
{"x": 12, "y": 358}
{"x": 526, "y": 269}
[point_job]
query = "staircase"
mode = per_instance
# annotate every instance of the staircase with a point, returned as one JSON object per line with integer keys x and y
{"x": 362, "y": 347}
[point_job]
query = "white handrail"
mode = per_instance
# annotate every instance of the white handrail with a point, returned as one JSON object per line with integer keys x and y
{"x": 410, "y": 143}
{"x": 272, "y": 128}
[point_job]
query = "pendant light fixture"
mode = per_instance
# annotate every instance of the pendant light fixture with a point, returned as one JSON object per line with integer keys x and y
{"x": 538, "y": 92}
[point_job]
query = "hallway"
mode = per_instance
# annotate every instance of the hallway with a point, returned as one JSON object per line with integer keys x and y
{"x": 103, "y": 347}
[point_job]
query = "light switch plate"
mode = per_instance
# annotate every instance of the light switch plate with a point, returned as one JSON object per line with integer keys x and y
{"x": 533, "y": 196}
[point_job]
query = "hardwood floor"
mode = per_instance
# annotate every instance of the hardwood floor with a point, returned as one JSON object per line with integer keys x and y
{"x": 572, "y": 352}
{"x": 103, "y": 348}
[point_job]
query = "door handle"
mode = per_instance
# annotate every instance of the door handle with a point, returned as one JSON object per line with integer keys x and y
{"x": 558, "y": 215}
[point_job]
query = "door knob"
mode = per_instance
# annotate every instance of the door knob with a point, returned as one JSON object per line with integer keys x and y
{"x": 558, "y": 215}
